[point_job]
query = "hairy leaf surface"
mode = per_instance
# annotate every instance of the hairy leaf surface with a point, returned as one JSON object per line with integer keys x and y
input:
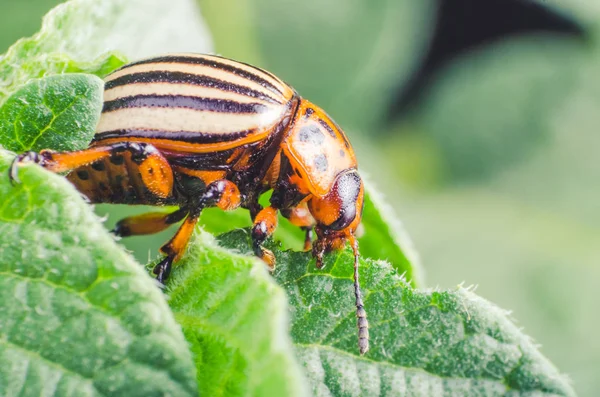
{"x": 78, "y": 316}
{"x": 58, "y": 112}
{"x": 98, "y": 36}
{"x": 236, "y": 319}
{"x": 422, "y": 342}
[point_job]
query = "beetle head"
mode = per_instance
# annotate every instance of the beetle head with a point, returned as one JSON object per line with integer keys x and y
{"x": 338, "y": 214}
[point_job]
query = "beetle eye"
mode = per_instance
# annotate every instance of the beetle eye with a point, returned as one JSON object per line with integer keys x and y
{"x": 345, "y": 191}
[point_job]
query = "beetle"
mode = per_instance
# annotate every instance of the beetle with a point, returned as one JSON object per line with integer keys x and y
{"x": 196, "y": 131}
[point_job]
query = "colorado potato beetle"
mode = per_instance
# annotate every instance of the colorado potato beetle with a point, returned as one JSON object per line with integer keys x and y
{"x": 196, "y": 131}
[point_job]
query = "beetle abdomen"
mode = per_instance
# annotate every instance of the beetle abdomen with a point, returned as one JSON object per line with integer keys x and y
{"x": 115, "y": 180}
{"x": 201, "y": 103}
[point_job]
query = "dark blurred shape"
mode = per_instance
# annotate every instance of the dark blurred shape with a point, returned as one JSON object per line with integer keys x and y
{"x": 465, "y": 25}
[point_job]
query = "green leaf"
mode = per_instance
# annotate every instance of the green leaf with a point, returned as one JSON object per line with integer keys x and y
{"x": 422, "y": 342}
{"x": 56, "y": 112}
{"x": 98, "y": 36}
{"x": 236, "y": 320}
{"x": 491, "y": 109}
{"x": 77, "y": 314}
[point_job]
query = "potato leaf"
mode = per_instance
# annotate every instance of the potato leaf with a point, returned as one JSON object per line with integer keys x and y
{"x": 58, "y": 112}
{"x": 236, "y": 319}
{"x": 98, "y": 36}
{"x": 423, "y": 343}
{"x": 78, "y": 316}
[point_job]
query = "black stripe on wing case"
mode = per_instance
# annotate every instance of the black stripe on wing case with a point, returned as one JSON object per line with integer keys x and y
{"x": 186, "y": 102}
{"x": 216, "y": 65}
{"x": 187, "y": 78}
{"x": 184, "y": 136}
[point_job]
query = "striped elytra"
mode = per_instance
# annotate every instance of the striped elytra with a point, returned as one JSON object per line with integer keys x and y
{"x": 192, "y": 98}
{"x": 196, "y": 131}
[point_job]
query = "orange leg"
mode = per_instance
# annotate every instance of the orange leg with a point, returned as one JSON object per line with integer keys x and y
{"x": 229, "y": 197}
{"x": 154, "y": 168}
{"x": 175, "y": 248}
{"x": 221, "y": 193}
{"x": 265, "y": 224}
{"x": 307, "y": 238}
{"x": 149, "y": 223}
{"x": 300, "y": 216}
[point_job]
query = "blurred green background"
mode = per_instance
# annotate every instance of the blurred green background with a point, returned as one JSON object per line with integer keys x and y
{"x": 489, "y": 153}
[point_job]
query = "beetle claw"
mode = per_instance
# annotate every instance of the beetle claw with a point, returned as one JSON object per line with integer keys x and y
{"x": 27, "y": 157}
{"x": 319, "y": 257}
{"x": 120, "y": 230}
{"x": 163, "y": 269}
{"x": 13, "y": 173}
{"x": 318, "y": 250}
{"x": 269, "y": 258}
{"x": 266, "y": 256}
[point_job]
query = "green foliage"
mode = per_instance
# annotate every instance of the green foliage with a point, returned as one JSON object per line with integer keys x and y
{"x": 78, "y": 315}
{"x": 97, "y": 36}
{"x": 422, "y": 342}
{"x": 236, "y": 319}
{"x": 490, "y": 109}
{"x": 59, "y": 112}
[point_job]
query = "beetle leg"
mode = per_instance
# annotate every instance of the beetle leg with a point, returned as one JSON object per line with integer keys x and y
{"x": 253, "y": 206}
{"x": 175, "y": 248}
{"x": 265, "y": 224}
{"x": 148, "y": 223}
{"x": 308, "y": 238}
{"x": 221, "y": 193}
{"x": 154, "y": 168}
{"x": 300, "y": 216}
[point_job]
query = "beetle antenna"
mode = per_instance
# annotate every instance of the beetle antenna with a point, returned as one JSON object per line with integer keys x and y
{"x": 361, "y": 314}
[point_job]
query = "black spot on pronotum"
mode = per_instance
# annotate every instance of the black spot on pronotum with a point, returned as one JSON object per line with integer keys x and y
{"x": 117, "y": 159}
{"x": 321, "y": 162}
{"x": 99, "y": 166}
{"x": 327, "y": 127}
{"x": 342, "y": 153}
{"x": 83, "y": 175}
{"x": 311, "y": 134}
